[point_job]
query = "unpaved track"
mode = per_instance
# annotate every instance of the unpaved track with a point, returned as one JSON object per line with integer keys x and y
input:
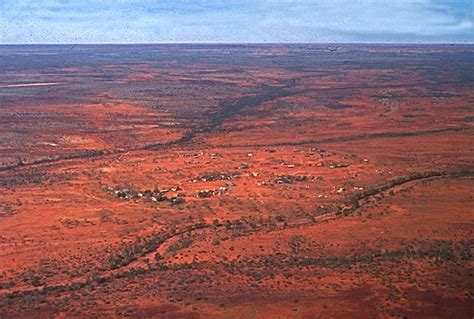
{"x": 356, "y": 201}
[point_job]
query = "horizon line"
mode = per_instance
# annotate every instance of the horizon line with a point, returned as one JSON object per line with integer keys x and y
{"x": 242, "y": 43}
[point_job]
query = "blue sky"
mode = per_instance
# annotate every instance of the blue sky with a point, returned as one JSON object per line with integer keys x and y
{"x": 272, "y": 21}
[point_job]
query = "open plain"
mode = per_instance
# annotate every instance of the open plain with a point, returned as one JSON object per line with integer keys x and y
{"x": 236, "y": 181}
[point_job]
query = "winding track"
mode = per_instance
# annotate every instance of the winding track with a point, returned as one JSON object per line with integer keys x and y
{"x": 227, "y": 110}
{"x": 355, "y": 201}
{"x": 190, "y": 135}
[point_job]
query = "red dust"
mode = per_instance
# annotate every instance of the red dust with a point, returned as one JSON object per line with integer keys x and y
{"x": 238, "y": 181}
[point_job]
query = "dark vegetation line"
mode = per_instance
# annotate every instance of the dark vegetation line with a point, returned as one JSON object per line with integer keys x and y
{"x": 227, "y": 110}
{"x": 82, "y": 155}
{"x": 355, "y": 202}
{"x": 140, "y": 248}
{"x": 143, "y": 247}
{"x": 191, "y": 134}
{"x": 87, "y": 155}
{"x": 440, "y": 251}
{"x": 149, "y": 245}
{"x": 350, "y": 138}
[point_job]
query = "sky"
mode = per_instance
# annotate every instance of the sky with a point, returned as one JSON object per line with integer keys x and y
{"x": 235, "y": 21}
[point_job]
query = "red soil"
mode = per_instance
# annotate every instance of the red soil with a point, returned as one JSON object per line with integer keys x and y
{"x": 303, "y": 218}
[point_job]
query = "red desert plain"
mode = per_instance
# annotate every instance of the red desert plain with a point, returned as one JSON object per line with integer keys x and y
{"x": 237, "y": 181}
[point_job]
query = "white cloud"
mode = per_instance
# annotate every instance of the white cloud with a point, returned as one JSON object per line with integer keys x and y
{"x": 234, "y": 21}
